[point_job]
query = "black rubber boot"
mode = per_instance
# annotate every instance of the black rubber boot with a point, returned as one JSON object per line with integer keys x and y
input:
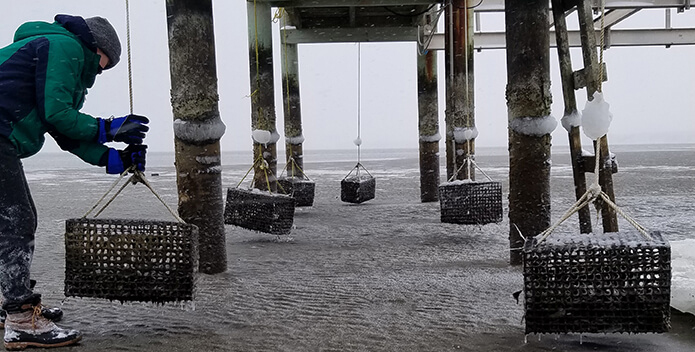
{"x": 25, "y": 326}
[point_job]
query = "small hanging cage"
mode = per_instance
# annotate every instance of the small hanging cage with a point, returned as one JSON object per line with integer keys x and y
{"x": 297, "y": 185}
{"x": 258, "y": 210}
{"x": 357, "y": 188}
{"x": 597, "y": 283}
{"x": 470, "y": 202}
{"x": 299, "y": 188}
{"x": 131, "y": 260}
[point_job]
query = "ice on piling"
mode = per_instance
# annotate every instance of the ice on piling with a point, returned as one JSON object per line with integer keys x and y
{"x": 573, "y": 119}
{"x": 596, "y": 117}
{"x": 464, "y": 134}
{"x": 261, "y": 136}
{"x": 533, "y": 126}
{"x": 683, "y": 275}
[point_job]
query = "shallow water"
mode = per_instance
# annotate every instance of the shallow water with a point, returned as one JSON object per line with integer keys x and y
{"x": 385, "y": 275}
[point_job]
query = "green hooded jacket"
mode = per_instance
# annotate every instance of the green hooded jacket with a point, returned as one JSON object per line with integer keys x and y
{"x": 44, "y": 77}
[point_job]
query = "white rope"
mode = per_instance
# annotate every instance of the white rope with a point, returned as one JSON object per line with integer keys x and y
{"x": 359, "y": 104}
{"x": 592, "y": 193}
{"x": 130, "y": 70}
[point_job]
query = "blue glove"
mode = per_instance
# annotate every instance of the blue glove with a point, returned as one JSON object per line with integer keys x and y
{"x": 129, "y": 129}
{"x": 120, "y": 160}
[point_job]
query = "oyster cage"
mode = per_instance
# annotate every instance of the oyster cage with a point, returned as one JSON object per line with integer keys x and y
{"x": 259, "y": 211}
{"x": 130, "y": 260}
{"x": 470, "y": 202}
{"x": 606, "y": 283}
{"x": 301, "y": 189}
{"x": 357, "y": 189}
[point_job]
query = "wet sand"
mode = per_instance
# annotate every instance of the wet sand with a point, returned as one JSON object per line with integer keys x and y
{"x": 386, "y": 275}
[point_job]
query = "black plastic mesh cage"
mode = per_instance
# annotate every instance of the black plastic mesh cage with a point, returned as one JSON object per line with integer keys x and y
{"x": 259, "y": 211}
{"x": 607, "y": 283}
{"x": 470, "y": 202}
{"x": 357, "y": 189}
{"x": 130, "y": 260}
{"x": 301, "y": 189}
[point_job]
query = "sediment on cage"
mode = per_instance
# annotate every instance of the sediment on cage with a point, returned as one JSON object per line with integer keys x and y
{"x": 259, "y": 211}
{"x": 131, "y": 260}
{"x": 597, "y": 283}
{"x": 301, "y": 189}
{"x": 357, "y": 189}
{"x": 470, "y": 202}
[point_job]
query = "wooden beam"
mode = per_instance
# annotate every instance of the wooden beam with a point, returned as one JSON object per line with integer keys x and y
{"x": 345, "y": 3}
{"x": 487, "y": 40}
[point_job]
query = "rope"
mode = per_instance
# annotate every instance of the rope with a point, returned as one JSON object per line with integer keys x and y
{"x": 130, "y": 70}
{"x": 264, "y": 167}
{"x": 603, "y": 44}
{"x": 357, "y": 167}
{"x": 120, "y": 177}
{"x": 137, "y": 176}
{"x": 359, "y": 102}
{"x": 592, "y": 193}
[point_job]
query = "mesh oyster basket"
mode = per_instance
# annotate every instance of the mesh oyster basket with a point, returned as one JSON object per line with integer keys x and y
{"x": 259, "y": 211}
{"x": 301, "y": 189}
{"x": 131, "y": 260}
{"x": 470, "y": 202}
{"x": 297, "y": 185}
{"x": 357, "y": 188}
{"x": 606, "y": 283}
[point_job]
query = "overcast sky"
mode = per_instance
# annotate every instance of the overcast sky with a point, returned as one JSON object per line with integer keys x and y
{"x": 651, "y": 90}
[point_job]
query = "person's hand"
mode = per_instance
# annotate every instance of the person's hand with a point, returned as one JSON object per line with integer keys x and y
{"x": 120, "y": 160}
{"x": 129, "y": 129}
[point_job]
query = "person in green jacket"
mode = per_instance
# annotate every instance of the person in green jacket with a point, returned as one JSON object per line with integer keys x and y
{"x": 44, "y": 77}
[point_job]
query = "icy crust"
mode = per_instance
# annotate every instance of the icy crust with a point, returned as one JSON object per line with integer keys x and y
{"x": 265, "y": 137}
{"x": 596, "y": 117}
{"x": 456, "y": 182}
{"x": 683, "y": 275}
{"x": 464, "y": 134}
{"x": 295, "y": 140}
{"x": 263, "y": 192}
{"x": 433, "y": 138}
{"x": 533, "y": 126}
{"x": 199, "y": 131}
{"x": 574, "y": 119}
{"x": 358, "y": 179}
{"x": 630, "y": 238}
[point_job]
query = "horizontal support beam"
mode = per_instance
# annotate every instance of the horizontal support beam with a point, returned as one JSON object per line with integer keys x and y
{"x": 346, "y": 3}
{"x": 485, "y": 6}
{"x": 350, "y": 35}
{"x": 498, "y": 5}
{"x": 488, "y": 40}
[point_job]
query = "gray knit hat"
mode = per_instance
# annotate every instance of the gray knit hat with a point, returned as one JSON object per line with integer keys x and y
{"x": 106, "y": 38}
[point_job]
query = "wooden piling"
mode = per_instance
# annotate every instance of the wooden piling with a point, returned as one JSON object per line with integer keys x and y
{"x": 568, "y": 88}
{"x": 262, "y": 93}
{"x": 197, "y": 126}
{"x": 528, "y": 96}
{"x": 292, "y": 109}
{"x": 428, "y": 126}
{"x": 460, "y": 87}
{"x": 593, "y": 81}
